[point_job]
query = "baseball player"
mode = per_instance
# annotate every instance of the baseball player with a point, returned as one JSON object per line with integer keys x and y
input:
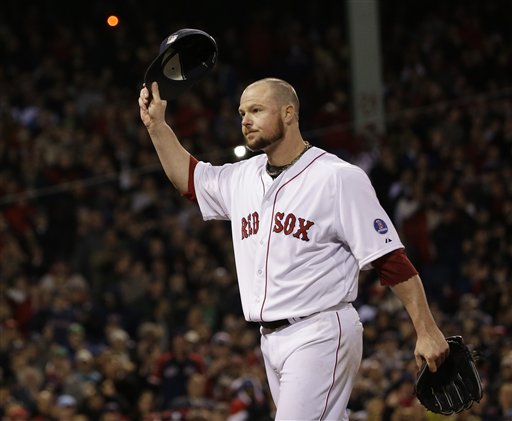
{"x": 304, "y": 223}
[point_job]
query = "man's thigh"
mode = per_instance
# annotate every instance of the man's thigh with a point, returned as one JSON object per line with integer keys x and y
{"x": 315, "y": 363}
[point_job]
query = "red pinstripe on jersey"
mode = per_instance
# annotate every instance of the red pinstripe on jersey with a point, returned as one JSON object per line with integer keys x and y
{"x": 271, "y": 228}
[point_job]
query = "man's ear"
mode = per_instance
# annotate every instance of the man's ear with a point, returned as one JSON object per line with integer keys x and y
{"x": 288, "y": 113}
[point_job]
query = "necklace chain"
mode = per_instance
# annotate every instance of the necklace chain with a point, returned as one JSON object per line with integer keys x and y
{"x": 274, "y": 170}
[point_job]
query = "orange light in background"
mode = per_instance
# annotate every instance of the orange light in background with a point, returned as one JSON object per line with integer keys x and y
{"x": 113, "y": 20}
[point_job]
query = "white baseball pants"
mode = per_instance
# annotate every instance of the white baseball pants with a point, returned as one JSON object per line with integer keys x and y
{"x": 311, "y": 365}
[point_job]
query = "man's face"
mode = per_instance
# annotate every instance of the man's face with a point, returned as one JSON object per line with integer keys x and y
{"x": 262, "y": 125}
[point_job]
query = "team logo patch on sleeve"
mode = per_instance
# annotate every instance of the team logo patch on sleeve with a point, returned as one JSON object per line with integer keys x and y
{"x": 380, "y": 226}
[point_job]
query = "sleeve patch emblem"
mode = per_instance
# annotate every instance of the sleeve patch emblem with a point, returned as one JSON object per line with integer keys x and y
{"x": 380, "y": 226}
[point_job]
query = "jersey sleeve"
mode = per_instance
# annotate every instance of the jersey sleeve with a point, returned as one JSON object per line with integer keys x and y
{"x": 364, "y": 225}
{"x": 212, "y": 186}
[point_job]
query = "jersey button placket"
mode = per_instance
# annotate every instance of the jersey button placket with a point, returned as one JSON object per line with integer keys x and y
{"x": 261, "y": 252}
{"x": 259, "y": 279}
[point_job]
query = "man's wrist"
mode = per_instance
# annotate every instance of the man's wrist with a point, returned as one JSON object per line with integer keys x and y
{"x": 156, "y": 127}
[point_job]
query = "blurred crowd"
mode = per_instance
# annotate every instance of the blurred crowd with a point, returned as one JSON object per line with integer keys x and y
{"x": 118, "y": 303}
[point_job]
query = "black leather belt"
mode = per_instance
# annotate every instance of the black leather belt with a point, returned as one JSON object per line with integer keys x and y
{"x": 276, "y": 324}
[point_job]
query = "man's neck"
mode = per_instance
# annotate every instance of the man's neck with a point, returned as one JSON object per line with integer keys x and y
{"x": 284, "y": 152}
{"x": 275, "y": 170}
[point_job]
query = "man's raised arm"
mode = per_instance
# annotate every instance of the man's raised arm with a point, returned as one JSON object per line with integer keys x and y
{"x": 173, "y": 156}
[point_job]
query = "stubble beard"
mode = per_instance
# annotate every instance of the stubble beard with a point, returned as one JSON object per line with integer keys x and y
{"x": 260, "y": 143}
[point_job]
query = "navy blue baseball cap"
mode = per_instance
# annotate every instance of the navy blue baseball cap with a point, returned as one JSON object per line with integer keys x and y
{"x": 185, "y": 57}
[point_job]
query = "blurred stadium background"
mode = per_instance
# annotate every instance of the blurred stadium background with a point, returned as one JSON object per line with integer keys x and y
{"x": 118, "y": 303}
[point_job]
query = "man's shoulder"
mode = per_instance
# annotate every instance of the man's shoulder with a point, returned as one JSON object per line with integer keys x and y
{"x": 255, "y": 160}
{"x": 337, "y": 165}
{"x": 245, "y": 165}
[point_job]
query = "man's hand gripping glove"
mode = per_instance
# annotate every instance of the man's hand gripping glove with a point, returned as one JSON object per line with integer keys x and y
{"x": 454, "y": 386}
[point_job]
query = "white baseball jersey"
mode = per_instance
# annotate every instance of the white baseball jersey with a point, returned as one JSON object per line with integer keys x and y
{"x": 299, "y": 240}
